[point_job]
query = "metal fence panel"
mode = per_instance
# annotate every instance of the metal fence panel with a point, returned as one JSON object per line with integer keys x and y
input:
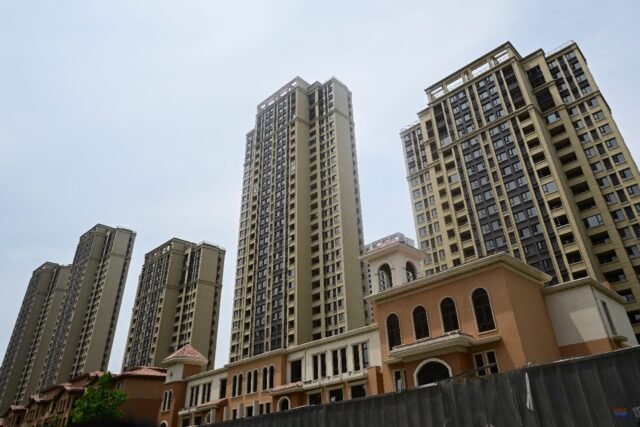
{"x": 598, "y": 391}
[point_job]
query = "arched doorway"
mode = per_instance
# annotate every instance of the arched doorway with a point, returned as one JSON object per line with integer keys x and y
{"x": 432, "y": 371}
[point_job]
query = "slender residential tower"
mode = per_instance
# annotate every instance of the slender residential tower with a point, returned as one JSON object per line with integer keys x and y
{"x": 23, "y": 360}
{"x": 521, "y": 154}
{"x": 177, "y": 303}
{"x": 298, "y": 275}
{"x": 81, "y": 340}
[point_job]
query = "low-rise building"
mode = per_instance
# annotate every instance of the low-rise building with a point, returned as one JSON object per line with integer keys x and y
{"x": 490, "y": 315}
{"x": 53, "y": 405}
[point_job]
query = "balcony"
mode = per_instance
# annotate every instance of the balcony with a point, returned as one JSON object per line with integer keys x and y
{"x": 215, "y": 404}
{"x": 320, "y": 382}
{"x": 454, "y": 341}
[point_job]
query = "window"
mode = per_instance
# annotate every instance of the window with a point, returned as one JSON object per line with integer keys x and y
{"x": 335, "y": 395}
{"x": 593, "y": 221}
{"x": 319, "y": 366}
{"x": 265, "y": 378}
{"x": 449, "y": 315}
{"x": 399, "y": 376}
{"x": 393, "y": 331}
{"x": 627, "y": 294}
{"x": 626, "y": 174}
{"x": 634, "y": 316}
{"x": 358, "y": 390}
{"x": 482, "y": 310}
{"x": 272, "y": 374}
{"x": 420, "y": 324}
{"x": 167, "y": 396}
{"x": 486, "y": 363}
{"x": 550, "y": 187}
{"x": 633, "y": 190}
{"x": 605, "y": 129}
{"x": 296, "y": 370}
{"x": 315, "y": 398}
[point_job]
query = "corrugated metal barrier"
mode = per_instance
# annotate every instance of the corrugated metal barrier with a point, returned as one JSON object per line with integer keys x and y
{"x": 601, "y": 390}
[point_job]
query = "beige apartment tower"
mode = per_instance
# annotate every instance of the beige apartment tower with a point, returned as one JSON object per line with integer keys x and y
{"x": 23, "y": 359}
{"x": 68, "y": 316}
{"x": 522, "y": 155}
{"x": 177, "y": 303}
{"x": 298, "y": 274}
{"x": 82, "y": 338}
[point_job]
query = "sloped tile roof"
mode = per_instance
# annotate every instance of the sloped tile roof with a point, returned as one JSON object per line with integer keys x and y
{"x": 145, "y": 371}
{"x": 186, "y": 352}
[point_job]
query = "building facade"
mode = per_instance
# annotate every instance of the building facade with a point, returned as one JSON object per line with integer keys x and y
{"x": 177, "y": 303}
{"x": 86, "y": 321}
{"x": 522, "y": 155}
{"x": 298, "y": 277}
{"x": 25, "y": 355}
{"x": 486, "y": 316}
{"x": 53, "y": 406}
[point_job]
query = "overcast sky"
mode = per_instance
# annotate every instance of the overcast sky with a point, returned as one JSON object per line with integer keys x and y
{"x": 134, "y": 113}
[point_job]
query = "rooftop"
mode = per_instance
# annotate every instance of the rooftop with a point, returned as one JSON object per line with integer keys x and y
{"x": 388, "y": 241}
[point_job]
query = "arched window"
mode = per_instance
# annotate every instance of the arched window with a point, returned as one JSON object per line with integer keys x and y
{"x": 449, "y": 315}
{"x": 272, "y": 374}
{"x": 410, "y": 271}
{"x": 283, "y": 404}
{"x": 249, "y": 381}
{"x": 166, "y": 400}
{"x": 393, "y": 331}
{"x": 482, "y": 310}
{"x": 420, "y": 324}
{"x": 265, "y": 377}
{"x": 384, "y": 277}
{"x": 255, "y": 380}
{"x": 239, "y": 384}
{"x": 234, "y": 386}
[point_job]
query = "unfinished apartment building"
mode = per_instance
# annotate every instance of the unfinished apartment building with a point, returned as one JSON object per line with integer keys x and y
{"x": 82, "y": 338}
{"x": 299, "y": 277}
{"x": 522, "y": 155}
{"x": 68, "y": 316}
{"x": 177, "y": 303}
{"x": 22, "y": 362}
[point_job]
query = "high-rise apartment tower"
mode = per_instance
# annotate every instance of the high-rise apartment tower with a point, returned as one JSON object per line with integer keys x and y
{"x": 177, "y": 303}
{"x": 83, "y": 335}
{"x": 521, "y": 154}
{"x": 68, "y": 317}
{"x": 23, "y": 359}
{"x": 298, "y": 275}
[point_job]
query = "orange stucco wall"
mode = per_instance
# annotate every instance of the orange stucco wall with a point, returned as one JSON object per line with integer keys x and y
{"x": 519, "y": 311}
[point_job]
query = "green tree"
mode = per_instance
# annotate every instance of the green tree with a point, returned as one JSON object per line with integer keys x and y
{"x": 99, "y": 402}
{"x": 54, "y": 421}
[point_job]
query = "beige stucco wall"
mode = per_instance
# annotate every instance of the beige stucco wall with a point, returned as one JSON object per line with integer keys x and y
{"x": 577, "y": 316}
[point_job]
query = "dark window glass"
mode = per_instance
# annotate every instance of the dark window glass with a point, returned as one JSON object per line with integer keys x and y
{"x": 393, "y": 331}
{"x": 482, "y": 310}
{"x": 420, "y": 325}
{"x": 449, "y": 315}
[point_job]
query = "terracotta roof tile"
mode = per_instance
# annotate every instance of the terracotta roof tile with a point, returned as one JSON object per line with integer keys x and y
{"x": 187, "y": 352}
{"x": 146, "y": 371}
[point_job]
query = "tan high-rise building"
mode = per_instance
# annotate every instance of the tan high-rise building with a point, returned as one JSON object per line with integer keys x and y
{"x": 177, "y": 303}
{"x": 298, "y": 275}
{"x": 68, "y": 316}
{"x": 521, "y": 154}
{"x": 86, "y": 322}
{"x": 23, "y": 359}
